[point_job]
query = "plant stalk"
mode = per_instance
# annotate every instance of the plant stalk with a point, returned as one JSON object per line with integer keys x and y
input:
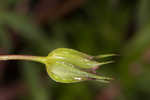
{"x": 23, "y": 57}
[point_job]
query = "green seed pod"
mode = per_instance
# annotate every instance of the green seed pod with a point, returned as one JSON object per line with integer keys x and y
{"x": 67, "y": 73}
{"x": 74, "y": 57}
{"x": 68, "y": 66}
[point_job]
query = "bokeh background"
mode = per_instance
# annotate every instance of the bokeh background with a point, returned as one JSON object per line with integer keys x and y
{"x": 36, "y": 27}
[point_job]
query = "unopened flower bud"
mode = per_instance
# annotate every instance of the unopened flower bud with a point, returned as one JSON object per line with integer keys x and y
{"x": 69, "y": 66}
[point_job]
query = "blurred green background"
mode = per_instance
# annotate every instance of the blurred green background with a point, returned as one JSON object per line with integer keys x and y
{"x": 36, "y": 27}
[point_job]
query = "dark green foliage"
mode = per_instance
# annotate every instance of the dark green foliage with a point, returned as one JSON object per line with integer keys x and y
{"x": 96, "y": 27}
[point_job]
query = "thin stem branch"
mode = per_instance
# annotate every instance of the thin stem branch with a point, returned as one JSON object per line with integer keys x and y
{"x": 23, "y": 57}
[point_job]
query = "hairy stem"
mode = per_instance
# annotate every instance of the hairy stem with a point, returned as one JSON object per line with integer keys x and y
{"x": 23, "y": 57}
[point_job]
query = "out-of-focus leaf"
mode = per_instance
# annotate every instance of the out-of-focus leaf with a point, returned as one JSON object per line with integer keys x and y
{"x": 132, "y": 52}
{"x": 143, "y": 13}
{"x": 5, "y": 41}
{"x": 32, "y": 76}
{"x": 26, "y": 28}
{"x": 76, "y": 91}
{"x": 30, "y": 31}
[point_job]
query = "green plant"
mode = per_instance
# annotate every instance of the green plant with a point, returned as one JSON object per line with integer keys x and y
{"x": 67, "y": 65}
